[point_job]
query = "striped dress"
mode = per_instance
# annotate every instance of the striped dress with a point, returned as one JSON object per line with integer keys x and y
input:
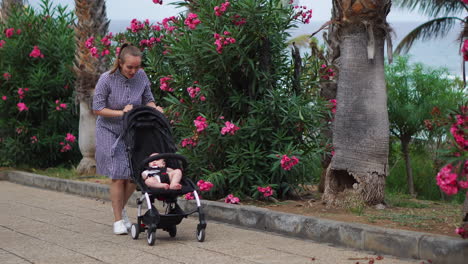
{"x": 114, "y": 91}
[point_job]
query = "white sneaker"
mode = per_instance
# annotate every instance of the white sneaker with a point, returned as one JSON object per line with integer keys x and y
{"x": 119, "y": 228}
{"x": 127, "y": 222}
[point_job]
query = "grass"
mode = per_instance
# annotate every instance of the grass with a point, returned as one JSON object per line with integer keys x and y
{"x": 405, "y": 201}
{"x": 64, "y": 173}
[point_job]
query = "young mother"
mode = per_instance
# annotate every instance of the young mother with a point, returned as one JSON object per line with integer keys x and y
{"x": 117, "y": 90}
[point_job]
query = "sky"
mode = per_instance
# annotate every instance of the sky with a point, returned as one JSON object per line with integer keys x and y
{"x": 142, "y": 9}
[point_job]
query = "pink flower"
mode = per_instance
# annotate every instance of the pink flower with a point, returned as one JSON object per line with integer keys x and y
{"x": 200, "y": 123}
{"x": 9, "y": 32}
{"x": 192, "y": 21}
{"x": 303, "y": 15}
{"x": 136, "y": 25}
{"x": 106, "y": 41}
{"x": 202, "y": 98}
{"x": 189, "y": 196}
{"x": 4, "y": 98}
{"x": 22, "y": 107}
{"x": 36, "y": 52}
{"x": 7, "y": 76}
{"x": 89, "y": 43}
{"x": 158, "y": 2}
{"x": 18, "y": 31}
{"x": 164, "y": 83}
{"x": 21, "y": 92}
{"x": 2, "y": 42}
{"x": 186, "y": 142}
{"x": 221, "y": 41}
{"x": 231, "y": 199}
{"x": 19, "y": 130}
{"x": 287, "y": 163}
{"x": 447, "y": 180}
{"x": 204, "y": 186}
{"x": 94, "y": 52}
{"x": 460, "y": 230}
{"x": 70, "y": 138}
{"x": 33, "y": 140}
{"x": 333, "y": 105}
{"x": 238, "y": 20}
{"x": 229, "y": 128}
{"x": 267, "y": 191}
{"x": 65, "y": 147}
{"x": 59, "y": 106}
{"x": 219, "y": 10}
{"x": 193, "y": 91}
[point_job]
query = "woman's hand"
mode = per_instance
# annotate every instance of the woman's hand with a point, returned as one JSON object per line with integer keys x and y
{"x": 152, "y": 104}
{"x": 127, "y": 108}
{"x": 160, "y": 109}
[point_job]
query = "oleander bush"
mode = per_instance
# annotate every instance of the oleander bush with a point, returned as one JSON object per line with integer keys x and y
{"x": 37, "y": 119}
{"x": 223, "y": 72}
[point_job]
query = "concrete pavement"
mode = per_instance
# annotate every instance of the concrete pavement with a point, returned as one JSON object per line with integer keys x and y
{"x": 405, "y": 244}
{"x": 42, "y": 226}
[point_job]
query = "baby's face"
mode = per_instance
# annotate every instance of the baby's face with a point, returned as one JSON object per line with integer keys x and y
{"x": 157, "y": 163}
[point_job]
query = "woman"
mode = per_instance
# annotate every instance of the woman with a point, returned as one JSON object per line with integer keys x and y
{"x": 116, "y": 92}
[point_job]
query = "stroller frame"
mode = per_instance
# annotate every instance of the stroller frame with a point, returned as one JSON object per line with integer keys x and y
{"x": 144, "y": 119}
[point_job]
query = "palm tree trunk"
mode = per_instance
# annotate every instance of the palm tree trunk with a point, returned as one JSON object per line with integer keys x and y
{"x": 92, "y": 21}
{"x": 361, "y": 125}
{"x": 7, "y": 6}
{"x": 405, "y": 141}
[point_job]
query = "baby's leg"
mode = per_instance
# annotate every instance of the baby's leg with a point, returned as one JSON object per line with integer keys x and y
{"x": 154, "y": 183}
{"x": 175, "y": 176}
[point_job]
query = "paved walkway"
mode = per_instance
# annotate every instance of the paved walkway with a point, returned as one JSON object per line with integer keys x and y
{"x": 41, "y": 226}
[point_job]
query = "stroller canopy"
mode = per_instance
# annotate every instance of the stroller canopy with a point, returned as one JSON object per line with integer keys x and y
{"x": 147, "y": 131}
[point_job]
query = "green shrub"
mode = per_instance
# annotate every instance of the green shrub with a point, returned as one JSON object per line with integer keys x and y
{"x": 41, "y": 80}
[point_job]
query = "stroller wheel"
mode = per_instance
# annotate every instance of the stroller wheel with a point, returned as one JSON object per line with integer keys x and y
{"x": 172, "y": 231}
{"x": 135, "y": 231}
{"x": 201, "y": 235}
{"x": 151, "y": 237}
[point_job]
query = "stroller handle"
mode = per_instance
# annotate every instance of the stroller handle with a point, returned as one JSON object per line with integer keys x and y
{"x": 165, "y": 156}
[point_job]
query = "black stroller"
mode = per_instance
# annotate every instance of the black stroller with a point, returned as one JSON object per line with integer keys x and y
{"x": 147, "y": 131}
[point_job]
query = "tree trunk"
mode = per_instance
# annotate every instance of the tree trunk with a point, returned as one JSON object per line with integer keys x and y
{"x": 7, "y": 6}
{"x": 361, "y": 125}
{"x": 405, "y": 141}
{"x": 92, "y": 21}
{"x": 86, "y": 140}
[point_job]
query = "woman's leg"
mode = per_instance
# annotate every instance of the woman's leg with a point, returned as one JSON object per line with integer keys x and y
{"x": 118, "y": 196}
{"x": 129, "y": 189}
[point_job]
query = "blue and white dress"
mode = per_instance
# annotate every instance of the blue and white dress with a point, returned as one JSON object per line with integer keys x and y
{"x": 114, "y": 91}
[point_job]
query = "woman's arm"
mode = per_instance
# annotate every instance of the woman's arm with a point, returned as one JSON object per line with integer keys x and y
{"x": 106, "y": 112}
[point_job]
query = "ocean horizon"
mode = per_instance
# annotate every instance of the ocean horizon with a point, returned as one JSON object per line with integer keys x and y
{"x": 436, "y": 53}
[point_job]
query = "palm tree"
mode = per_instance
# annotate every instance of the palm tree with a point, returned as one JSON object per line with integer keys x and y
{"x": 361, "y": 127}
{"x": 444, "y": 13}
{"x": 92, "y": 21}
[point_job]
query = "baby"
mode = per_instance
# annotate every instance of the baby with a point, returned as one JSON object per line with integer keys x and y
{"x": 158, "y": 176}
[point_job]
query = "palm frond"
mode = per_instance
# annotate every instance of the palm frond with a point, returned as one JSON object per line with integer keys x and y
{"x": 435, "y": 28}
{"x": 433, "y": 8}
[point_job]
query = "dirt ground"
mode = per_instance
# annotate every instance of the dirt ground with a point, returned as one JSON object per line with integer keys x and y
{"x": 400, "y": 213}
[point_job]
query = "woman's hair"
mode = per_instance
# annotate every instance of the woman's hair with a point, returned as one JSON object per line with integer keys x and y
{"x": 125, "y": 49}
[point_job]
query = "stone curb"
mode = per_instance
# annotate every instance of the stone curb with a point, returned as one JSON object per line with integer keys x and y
{"x": 405, "y": 244}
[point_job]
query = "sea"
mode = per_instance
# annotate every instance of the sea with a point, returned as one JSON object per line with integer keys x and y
{"x": 436, "y": 53}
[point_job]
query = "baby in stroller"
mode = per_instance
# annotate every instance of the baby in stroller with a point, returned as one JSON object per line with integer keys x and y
{"x": 147, "y": 131}
{"x": 157, "y": 175}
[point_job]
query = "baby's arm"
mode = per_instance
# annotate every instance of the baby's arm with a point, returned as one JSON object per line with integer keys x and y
{"x": 144, "y": 174}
